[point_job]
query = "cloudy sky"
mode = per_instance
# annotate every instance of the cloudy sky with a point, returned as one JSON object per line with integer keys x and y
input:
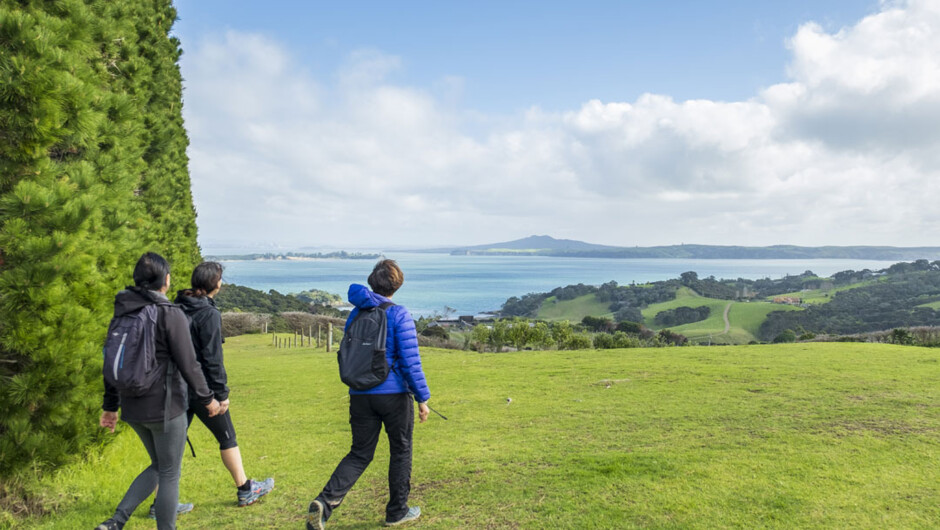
{"x": 415, "y": 124}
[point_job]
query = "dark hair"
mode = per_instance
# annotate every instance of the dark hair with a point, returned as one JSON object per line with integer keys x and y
{"x": 150, "y": 271}
{"x": 386, "y": 277}
{"x": 205, "y": 278}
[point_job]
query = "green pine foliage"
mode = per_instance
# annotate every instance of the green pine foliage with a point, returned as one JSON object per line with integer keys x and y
{"x": 93, "y": 172}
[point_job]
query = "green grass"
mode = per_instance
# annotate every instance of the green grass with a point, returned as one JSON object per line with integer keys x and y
{"x": 932, "y": 305}
{"x": 573, "y": 310}
{"x": 840, "y": 435}
{"x": 744, "y": 318}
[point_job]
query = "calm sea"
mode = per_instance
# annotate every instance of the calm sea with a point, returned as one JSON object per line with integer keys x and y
{"x": 477, "y": 284}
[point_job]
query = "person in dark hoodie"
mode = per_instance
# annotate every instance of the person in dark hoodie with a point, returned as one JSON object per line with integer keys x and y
{"x": 206, "y": 329}
{"x": 389, "y": 404}
{"x": 157, "y": 416}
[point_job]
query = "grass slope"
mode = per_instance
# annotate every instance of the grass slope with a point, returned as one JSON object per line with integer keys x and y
{"x": 573, "y": 310}
{"x": 784, "y": 436}
{"x": 744, "y": 318}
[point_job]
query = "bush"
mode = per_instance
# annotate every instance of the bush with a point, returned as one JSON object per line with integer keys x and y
{"x": 671, "y": 337}
{"x": 787, "y": 335}
{"x": 579, "y": 341}
{"x": 234, "y": 324}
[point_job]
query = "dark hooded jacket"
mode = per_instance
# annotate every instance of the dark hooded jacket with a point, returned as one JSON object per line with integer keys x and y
{"x": 206, "y": 329}
{"x": 173, "y": 343}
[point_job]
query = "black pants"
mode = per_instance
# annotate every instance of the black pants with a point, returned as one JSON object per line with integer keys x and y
{"x": 367, "y": 414}
{"x": 220, "y": 425}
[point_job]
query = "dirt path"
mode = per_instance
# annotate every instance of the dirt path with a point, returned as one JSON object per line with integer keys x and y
{"x": 727, "y": 322}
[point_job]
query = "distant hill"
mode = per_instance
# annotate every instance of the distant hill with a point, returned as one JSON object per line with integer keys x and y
{"x": 535, "y": 243}
{"x": 549, "y": 246}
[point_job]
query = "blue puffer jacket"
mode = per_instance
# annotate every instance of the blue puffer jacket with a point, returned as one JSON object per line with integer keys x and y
{"x": 401, "y": 349}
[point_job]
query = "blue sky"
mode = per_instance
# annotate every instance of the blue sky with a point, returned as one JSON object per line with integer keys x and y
{"x": 512, "y": 55}
{"x": 756, "y": 123}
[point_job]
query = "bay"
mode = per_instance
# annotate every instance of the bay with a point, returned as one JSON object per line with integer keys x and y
{"x": 477, "y": 284}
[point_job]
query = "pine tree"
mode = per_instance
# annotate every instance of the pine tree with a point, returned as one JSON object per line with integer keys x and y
{"x": 93, "y": 172}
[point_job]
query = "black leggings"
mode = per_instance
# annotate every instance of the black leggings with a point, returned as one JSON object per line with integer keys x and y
{"x": 220, "y": 425}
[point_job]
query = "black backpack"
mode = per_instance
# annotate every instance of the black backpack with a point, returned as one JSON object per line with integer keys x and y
{"x": 130, "y": 361}
{"x": 361, "y": 355}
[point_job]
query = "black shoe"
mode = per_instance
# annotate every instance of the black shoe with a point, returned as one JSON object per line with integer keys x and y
{"x": 315, "y": 519}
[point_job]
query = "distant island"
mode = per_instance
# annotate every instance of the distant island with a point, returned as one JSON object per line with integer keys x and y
{"x": 569, "y": 248}
{"x": 342, "y": 254}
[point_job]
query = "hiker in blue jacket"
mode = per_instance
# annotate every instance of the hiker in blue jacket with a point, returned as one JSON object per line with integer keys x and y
{"x": 389, "y": 404}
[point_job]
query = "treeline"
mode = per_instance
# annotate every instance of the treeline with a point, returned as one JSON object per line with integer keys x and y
{"x": 93, "y": 173}
{"x": 738, "y": 252}
{"x": 237, "y": 298}
{"x": 342, "y": 254}
{"x": 625, "y": 300}
{"x": 895, "y": 301}
{"x": 681, "y": 315}
{"x": 521, "y": 333}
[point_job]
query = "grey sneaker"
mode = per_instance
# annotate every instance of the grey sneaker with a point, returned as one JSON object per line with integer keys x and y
{"x": 255, "y": 492}
{"x": 110, "y": 524}
{"x": 315, "y": 516}
{"x": 181, "y": 508}
{"x": 413, "y": 513}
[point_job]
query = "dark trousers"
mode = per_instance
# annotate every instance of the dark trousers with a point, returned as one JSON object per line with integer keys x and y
{"x": 367, "y": 414}
{"x": 219, "y": 425}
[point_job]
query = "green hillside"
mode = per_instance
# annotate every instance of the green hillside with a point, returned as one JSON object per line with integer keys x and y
{"x": 744, "y": 318}
{"x": 573, "y": 310}
{"x": 786, "y": 436}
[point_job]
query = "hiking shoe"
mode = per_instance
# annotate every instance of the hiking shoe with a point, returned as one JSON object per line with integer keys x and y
{"x": 413, "y": 513}
{"x": 255, "y": 491}
{"x": 181, "y": 508}
{"x": 315, "y": 516}
{"x": 110, "y": 524}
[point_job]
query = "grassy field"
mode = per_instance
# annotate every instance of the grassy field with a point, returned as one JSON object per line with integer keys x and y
{"x": 573, "y": 310}
{"x": 839, "y": 435}
{"x": 744, "y": 318}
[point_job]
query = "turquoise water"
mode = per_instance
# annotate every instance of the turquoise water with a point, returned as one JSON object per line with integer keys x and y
{"x": 477, "y": 284}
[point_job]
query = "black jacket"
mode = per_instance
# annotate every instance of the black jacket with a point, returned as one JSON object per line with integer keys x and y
{"x": 172, "y": 344}
{"x": 206, "y": 329}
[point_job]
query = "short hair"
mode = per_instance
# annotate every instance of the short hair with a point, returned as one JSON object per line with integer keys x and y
{"x": 205, "y": 278}
{"x": 386, "y": 277}
{"x": 150, "y": 271}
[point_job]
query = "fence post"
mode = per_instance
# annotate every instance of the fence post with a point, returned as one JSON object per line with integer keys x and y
{"x": 318, "y": 336}
{"x": 329, "y": 336}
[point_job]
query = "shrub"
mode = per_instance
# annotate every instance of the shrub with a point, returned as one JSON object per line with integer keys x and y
{"x": 234, "y": 324}
{"x": 579, "y": 341}
{"x": 787, "y": 335}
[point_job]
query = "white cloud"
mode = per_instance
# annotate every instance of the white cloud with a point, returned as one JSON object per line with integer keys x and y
{"x": 844, "y": 152}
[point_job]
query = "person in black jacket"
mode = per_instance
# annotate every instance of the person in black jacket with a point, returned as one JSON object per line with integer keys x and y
{"x": 206, "y": 329}
{"x": 155, "y": 416}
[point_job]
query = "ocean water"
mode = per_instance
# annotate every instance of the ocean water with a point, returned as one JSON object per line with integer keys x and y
{"x": 476, "y": 284}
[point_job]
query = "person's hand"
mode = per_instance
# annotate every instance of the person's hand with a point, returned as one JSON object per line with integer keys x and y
{"x": 108, "y": 420}
{"x": 423, "y": 412}
{"x": 223, "y": 407}
{"x": 213, "y": 408}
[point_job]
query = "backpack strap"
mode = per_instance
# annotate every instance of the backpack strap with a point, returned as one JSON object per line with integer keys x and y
{"x": 169, "y": 377}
